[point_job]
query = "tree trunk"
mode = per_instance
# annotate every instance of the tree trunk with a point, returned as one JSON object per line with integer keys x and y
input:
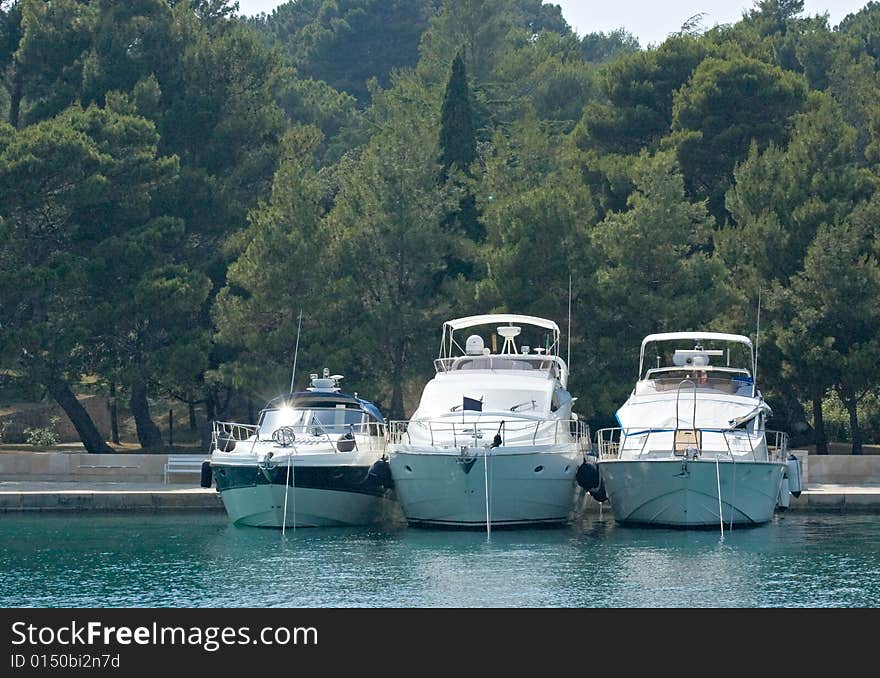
{"x": 15, "y": 95}
{"x": 147, "y": 432}
{"x": 855, "y": 431}
{"x": 397, "y": 411}
{"x": 819, "y": 436}
{"x": 114, "y": 419}
{"x": 210, "y": 413}
{"x": 396, "y": 400}
{"x": 193, "y": 424}
{"x": 92, "y": 439}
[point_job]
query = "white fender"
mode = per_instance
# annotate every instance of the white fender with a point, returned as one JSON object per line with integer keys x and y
{"x": 784, "y": 498}
{"x": 793, "y": 473}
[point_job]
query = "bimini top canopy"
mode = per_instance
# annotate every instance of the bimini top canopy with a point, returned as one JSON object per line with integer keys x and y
{"x": 697, "y": 336}
{"x": 500, "y": 318}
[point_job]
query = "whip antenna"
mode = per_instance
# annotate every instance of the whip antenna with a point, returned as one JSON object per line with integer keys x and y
{"x": 757, "y": 339}
{"x": 568, "y": 342}
{"x": 296, "y": 350}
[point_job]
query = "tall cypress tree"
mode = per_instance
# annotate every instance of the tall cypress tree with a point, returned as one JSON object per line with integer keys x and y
{"x": 458, "y": 147}
{"x": 458, "y": 143}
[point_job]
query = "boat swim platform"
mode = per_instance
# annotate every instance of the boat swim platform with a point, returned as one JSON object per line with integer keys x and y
{"x": 26, "y": 496}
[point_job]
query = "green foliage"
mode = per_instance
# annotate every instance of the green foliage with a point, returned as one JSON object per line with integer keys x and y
{"x": 599, "y": 47}
{"x": 458, "y": 151}
{"x": 282, "y": 255}
{"x": 545, "y": 75}
{"x": 11, "y": 432}
{"x": 837, "y": 421}
{"x": 345, "y": 43}
{"x": 634, "y": 113}
{"x": 177, "y": 183}
{"x": 781, "y": 197}
{"x": 475, "y": 28}
{"x": 390, "y": 249}
{"x": 537, "y": 214}
{"x": 862, "y": 30}
{"x": 653, "y": 273}
{"x": 42, "y": 436}
{"x": 458, "y": 145}
{"x": 71, "y": 187}
{"x": 48, "y": 58}
{"x": 728, "y": 104}
{"x": 314, "y": 102}
{"x": 832, "y": 319}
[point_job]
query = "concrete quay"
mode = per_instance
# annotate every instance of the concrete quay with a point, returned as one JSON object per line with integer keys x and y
{"x": 838, "y": 497}
{"x": 25, "y": 496}
{"x": 21, "y": 496}
{"x": 74, "y": 481}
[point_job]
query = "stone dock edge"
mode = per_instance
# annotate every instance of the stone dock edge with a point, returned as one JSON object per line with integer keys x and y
{"x": 28, "y": 497}
{"x": 18, "y": 496}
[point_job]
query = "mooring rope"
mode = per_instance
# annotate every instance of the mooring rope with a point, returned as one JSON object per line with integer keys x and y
{"x": 287, "y": 484}
{"x": 486, "y": 476}
{"x": 733, "y": 503}
{"x": 718, "y": 480}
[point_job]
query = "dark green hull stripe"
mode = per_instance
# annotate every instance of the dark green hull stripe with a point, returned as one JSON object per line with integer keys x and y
{"x": 338, "y": 478}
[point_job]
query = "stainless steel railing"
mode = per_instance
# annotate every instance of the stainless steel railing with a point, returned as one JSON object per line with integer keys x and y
{"x": 481, "y": 432}
{"x": 370, "y": 436}
{"x": 777, "y": 445}
{"x": 610, "y": 442}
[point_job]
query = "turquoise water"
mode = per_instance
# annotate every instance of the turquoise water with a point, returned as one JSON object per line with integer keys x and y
{"x": 186, "y": 560}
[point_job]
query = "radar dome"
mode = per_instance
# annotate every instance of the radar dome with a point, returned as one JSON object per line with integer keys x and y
{"x": 474, "y": 345}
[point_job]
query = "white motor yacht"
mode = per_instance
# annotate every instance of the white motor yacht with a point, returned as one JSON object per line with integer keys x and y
{"x": 692, "y": 448}
{"x": 315, "y": 458}
{"x": 494, "y": 441}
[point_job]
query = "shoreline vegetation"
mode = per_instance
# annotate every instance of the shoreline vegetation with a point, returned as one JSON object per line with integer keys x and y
{"x": 178, "y": 183}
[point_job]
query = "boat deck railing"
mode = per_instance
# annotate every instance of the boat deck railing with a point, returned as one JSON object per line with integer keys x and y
{"x": 610, "y": 442}
{"x": 529, "y": 362}
{"x": 481, "y": 432}
{"x": 368, "y": 436}
{"x": 777, "y": 445}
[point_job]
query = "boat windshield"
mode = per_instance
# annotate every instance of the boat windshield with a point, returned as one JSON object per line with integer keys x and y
{"x": 723, "y": 380}
{"x": 315, "y": 421}
{"x": 441, "y": 398}
{"x": 528, "y": 363}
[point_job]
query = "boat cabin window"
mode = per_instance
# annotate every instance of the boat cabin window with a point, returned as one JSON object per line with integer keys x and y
{"x": 316, "y": 421}
{"x": 506, "y": 400}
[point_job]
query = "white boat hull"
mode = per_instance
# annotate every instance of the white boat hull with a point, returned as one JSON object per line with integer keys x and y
{"x": 263, "y": 506}
{"x": 678, "y": 493}
{"x": 321, "y": 490}
{"x": 445, "y": 487}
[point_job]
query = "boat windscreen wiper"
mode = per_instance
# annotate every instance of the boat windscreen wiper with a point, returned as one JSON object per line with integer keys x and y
{"x": 527, "y": 402}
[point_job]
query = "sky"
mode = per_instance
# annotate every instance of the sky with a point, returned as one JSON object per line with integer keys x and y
{"x": 649, "y": 20}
